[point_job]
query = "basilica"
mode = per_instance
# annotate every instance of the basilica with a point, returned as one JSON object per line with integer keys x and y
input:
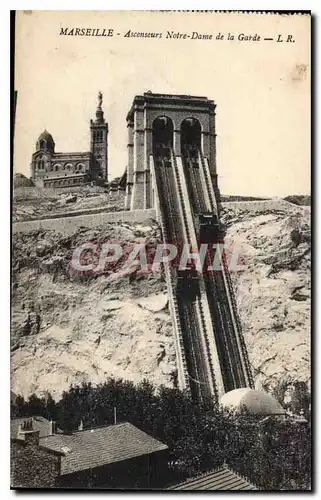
{"x": 53, "y": 169}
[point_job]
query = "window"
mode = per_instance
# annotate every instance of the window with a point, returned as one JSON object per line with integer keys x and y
{"x": 80, "y": 167}
{"x": 98, "y": 135}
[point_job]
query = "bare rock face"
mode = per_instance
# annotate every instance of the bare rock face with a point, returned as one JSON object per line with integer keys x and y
{"x": 69, "y": 327}
{"x": 273, "y": 293}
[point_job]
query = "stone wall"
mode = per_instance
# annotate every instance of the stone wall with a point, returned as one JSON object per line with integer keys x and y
{"x": 40, "y": 192}
{"x": 33, "y": 467}
{"x": 69, "y": 225}
{"x": 262, "y": 206}
{"x": 77, "y": 219}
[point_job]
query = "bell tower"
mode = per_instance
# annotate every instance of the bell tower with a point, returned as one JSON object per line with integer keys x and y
{"x": 99, "y": 143}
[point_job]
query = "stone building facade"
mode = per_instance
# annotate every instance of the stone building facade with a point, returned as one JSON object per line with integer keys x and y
{"x": 178, "y": 110}
{"x": 53, "y": 169}
{"x": 31, "y": 465}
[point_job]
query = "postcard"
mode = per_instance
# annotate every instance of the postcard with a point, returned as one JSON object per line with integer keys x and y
{"x": 161, "y": 251}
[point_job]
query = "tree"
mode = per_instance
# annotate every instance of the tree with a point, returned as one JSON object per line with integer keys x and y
{"x": 272, "y": 452}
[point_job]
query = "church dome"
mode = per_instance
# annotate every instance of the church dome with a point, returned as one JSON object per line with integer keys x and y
{"x": 45, "y": 135}
{"x": 20, "y": 180}
{"x": 257, "y": 402}
{"x": 45, "y": 142}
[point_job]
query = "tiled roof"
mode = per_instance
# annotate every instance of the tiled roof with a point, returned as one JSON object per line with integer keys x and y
{"x": 101, "y": 446}
{"x": 221, "y": 479}
{"x": 39, "y": 424}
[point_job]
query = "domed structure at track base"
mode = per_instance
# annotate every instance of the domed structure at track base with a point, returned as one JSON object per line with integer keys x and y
{"x": 256, "y": 402}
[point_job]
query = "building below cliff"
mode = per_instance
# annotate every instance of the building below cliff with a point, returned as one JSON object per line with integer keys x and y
{"x": 53, "y": 169}
{"x": 118, "y": 456}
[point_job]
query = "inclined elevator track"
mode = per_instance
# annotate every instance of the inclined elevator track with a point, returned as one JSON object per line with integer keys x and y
{"x": 226, "y": 328}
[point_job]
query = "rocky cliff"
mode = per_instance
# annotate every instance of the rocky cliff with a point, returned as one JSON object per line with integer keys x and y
{"x": 273, "y": 291}
{"x": 69, "y": 328}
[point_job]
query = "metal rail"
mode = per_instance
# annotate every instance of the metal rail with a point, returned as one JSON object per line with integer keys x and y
{"x": 211, "y": 351}
{"x": 182, "y": 369}
{"x": 220, "y": 293}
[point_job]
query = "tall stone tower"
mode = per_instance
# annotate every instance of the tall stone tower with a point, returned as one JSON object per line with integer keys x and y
{"x": 181, "y": 116}
{"x": 99, "y": 143}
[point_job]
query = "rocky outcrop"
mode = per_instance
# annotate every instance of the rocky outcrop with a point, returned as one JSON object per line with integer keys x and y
{"x": 87, "y": 327}
{"x": 69, "y": 327}
{"x": 273, "y": 293}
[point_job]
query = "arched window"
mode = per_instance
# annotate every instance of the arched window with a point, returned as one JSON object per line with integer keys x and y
{"x": 42, "y": 144}
{"x": 68, "y": 166}
{"x": 191, "y": 132}
{"x": 80, "y": 167}
{"x": 162, "y": 135}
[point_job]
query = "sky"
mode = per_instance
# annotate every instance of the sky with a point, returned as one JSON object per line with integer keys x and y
{"x": 261, "y": 88}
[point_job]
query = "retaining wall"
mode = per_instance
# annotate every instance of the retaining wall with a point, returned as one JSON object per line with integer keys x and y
{"x": 264, "y": 205}
{"x": 71, "y": 223}
{"x": 68, "y": 225}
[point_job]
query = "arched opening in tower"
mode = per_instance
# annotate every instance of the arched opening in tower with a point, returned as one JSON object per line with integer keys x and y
{"x": 162, "y": 136}
{"x": 191, "y": 134}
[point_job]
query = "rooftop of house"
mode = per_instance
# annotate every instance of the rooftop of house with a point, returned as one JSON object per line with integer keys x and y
{"x": 39, "y": 423}
{"x": 221, "y": 479}
{"x": 91, "y": 448}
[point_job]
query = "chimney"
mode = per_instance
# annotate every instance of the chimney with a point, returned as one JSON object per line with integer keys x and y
{"x": 52, "y": 428}
{"x": 20, "y": 434}
{"x": 28, "y": 433}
